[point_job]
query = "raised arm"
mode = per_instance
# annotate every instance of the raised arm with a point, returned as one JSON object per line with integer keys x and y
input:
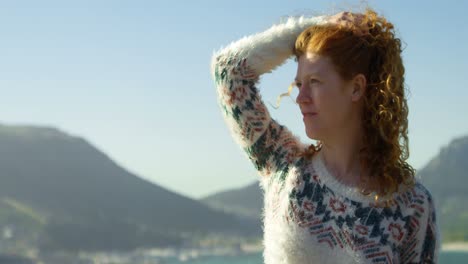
{"x": 236, "y": 70}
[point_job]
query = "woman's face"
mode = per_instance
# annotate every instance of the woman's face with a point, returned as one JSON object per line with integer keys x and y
{"x": 325, "y": 99}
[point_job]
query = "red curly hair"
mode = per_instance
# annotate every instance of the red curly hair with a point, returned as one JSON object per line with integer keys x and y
{"x": 377, "y": 55}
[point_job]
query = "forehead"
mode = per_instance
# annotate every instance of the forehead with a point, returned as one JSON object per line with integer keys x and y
{"x": 313, "y": 64}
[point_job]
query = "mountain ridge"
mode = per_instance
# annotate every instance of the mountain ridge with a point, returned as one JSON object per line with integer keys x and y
{"x": 82, "y": 192}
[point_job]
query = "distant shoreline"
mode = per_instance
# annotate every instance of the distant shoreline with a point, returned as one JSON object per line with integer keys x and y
{"x": 455, "y": 246}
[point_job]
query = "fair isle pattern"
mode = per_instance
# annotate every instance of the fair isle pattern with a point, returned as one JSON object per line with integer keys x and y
{"x": 381, "y": 234}
{"x": 309, "y": 217}
{"x": 249, "y": 119}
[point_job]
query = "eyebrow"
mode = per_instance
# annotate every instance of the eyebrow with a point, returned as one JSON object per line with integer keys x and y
{"x": 308, "y": 75}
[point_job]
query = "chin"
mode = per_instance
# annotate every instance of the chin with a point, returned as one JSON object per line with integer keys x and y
{"x": 313, "y": 135}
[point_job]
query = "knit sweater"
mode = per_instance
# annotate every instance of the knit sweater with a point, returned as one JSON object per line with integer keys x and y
{"x": 309, "y": 216}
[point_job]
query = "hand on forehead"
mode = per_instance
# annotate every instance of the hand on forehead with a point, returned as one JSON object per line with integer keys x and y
{"x": 350, "y": 20}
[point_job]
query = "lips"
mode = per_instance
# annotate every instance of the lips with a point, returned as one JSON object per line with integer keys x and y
{"x": 311, "y": 113}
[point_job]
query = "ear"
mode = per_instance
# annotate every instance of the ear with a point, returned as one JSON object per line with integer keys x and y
{"x": 359, "y": 84}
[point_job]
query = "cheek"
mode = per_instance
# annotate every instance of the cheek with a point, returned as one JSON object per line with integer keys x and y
{"x": 326, "y": 101}
{"x": 333, "y": 107}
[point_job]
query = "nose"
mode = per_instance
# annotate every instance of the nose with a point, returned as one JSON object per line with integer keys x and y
{"x": 303, "y": 97}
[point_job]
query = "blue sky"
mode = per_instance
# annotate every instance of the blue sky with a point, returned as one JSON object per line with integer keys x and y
{"x": 132, "y": 77}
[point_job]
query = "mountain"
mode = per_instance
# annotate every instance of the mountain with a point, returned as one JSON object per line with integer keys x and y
{"x": 445, "y": 176}
{"x": 71, "y": 196}
{"x": 246, "y": 201}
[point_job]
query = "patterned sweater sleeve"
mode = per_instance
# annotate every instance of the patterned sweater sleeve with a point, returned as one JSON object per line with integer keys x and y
{"x": 236, "y": 70}
{"x": 425, "y": 245}
{"x": 430, "y": 242}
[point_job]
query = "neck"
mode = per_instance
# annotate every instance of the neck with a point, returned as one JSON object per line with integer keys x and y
{"x": 341, "y": 156}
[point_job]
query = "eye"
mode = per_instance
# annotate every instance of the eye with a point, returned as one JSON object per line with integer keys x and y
{"x": 314, "y": 81}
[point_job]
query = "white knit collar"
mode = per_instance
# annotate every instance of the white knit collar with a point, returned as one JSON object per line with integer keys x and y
{"x": 350, "y": 192}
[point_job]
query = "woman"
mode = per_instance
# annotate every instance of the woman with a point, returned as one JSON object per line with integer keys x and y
{"x": 352, "y": 198}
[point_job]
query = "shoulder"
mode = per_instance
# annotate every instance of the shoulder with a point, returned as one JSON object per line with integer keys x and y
{"x": 428, "y": 201}
{"x": 417, "y": 201}
{"x": 420, "y": 190}
{"x": 423, "y": 193}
